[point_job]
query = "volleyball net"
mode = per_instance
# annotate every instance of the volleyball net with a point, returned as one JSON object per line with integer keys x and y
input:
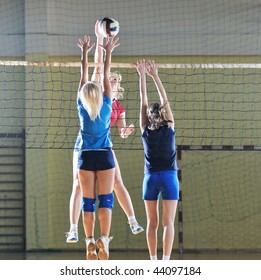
{"x": 213, "y": 104}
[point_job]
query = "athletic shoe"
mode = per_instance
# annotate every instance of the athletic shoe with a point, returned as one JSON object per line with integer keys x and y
{"x": 72, "y": 236}
{"x": 103, "y": 246}
{"x": 136, "y": 228}
{"x": 91, "y": 249}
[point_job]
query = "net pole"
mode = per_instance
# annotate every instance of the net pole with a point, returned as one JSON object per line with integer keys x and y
{"x": 180, "y": 208}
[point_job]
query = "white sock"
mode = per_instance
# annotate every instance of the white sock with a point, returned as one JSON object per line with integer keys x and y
{"x": 153, "y": 258}
{"x": 132, "y": 220}
{"x": 165, "y": 257}
{"x": 73, "y": 227}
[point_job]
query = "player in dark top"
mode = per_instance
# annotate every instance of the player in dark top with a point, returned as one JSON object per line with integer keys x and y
{"x": 160, "y": 169}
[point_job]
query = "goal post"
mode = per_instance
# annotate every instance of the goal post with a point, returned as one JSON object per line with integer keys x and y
{"x": 220, "y": 192}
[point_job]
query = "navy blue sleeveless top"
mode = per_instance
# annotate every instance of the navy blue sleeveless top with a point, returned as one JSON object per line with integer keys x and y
{"x": 159, "y": 149}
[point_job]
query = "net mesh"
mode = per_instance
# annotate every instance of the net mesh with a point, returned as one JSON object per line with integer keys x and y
{"x": 213, "y": 104}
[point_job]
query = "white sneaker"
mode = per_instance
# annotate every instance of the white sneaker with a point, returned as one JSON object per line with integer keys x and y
{"x": 103, "y": 245}
{"x": 72, "y": 236}
{"x": 91, "y": 249}
{"x": 136, "y": 228}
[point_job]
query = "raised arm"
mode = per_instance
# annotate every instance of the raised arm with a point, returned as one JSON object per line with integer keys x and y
{"x": 111, "y": 44}
{"x": 152, "y": 70}
{"x": 97, "y": 75}
{"x": 85, "y": 46}
{"x": 141, "y": 68}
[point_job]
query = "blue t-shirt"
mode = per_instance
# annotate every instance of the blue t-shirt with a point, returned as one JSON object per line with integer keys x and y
{"x": 95, "y": 135}
{"x": 159, "y": 149}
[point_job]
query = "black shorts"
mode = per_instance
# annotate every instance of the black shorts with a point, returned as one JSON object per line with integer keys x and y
{"x": 96, "y": 160}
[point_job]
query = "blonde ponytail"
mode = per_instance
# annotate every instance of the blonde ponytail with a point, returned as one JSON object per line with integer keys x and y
{"x": 92, "y": 99}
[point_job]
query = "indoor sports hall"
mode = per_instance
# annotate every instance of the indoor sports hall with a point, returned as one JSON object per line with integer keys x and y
{"x": 209, "y": 55}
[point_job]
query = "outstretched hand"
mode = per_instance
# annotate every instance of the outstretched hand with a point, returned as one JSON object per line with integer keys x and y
{"x": 97, "y": 30}
{"x": 85, "y": 44}
{"x": 152, "y": 68}
{"x": 111, "y": 44}
{"x": 140, "y": 66}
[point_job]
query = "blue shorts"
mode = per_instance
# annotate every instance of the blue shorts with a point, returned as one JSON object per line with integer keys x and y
{"x": 164, "y": 182}
{"x": 96, "y": 160}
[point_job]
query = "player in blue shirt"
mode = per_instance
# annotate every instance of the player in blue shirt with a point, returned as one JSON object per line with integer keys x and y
{"x": 160, "y": 169}
{"x": 96, "y": 163}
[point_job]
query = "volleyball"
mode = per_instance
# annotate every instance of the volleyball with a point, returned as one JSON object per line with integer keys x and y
{"x": 108, "y": 26}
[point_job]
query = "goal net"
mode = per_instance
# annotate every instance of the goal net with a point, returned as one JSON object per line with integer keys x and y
{"x": 220, "y": 202}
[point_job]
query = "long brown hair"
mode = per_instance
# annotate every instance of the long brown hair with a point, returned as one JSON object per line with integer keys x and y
{"x": 157, "y": 116}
